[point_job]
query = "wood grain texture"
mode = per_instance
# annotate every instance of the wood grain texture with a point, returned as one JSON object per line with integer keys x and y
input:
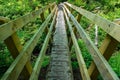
{"x": 107, "y": 48}
{"x": 11, "y": 27}
{"x": 104, "y": 68}
{"x": 16, "y": 67}
{"x": 60, "y": 63}
{"x": 111, "y": 28}
{"x": 14, "y": 46}
{"x": 82, "y": 65}
{"x": 37, "y": 67}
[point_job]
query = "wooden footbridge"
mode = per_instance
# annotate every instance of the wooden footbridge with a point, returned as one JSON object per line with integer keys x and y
{"x": 60, "y": 68}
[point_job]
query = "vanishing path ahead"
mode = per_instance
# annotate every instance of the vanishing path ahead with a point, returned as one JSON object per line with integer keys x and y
{"x": 60, "y": 66}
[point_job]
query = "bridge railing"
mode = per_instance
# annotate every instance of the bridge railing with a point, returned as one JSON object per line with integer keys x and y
{"x": 21, "y": 66}
{"x": 99, "y": 64}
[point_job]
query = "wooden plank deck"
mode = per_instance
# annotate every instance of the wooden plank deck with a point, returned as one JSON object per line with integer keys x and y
{"x": 60, "y": 66}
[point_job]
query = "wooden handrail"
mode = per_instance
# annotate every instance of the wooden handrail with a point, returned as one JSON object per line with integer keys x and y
{"x": 14, "y": 46}
{"x": 104, "y": 68}
{"x": 22, "y": 58}
{"x": 82, "y": 66}
{"x": 109, "y": 27}
{"x": 107, "y": 48}
{"x": 11, "y": 27}
{"x": 14, "y": 70}
{"x": 37, "y": 67}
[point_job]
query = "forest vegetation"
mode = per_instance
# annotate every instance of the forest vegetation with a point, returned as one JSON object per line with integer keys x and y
{"x": 12, "y": 9}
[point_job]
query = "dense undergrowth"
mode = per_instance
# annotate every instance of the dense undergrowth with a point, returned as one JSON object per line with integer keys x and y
{"x": 12, "y": 9}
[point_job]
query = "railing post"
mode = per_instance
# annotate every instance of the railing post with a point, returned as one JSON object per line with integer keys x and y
{"x": 108, "y": 45}
{"x": 43, "y": 19}
{"x": 14, "y": 46}
{"x": 42, "y": 16}
{"x": 82, "y": 66}
{"x": 78, "y": 18}
{"x": 50, "y": 9}
{"x": 107, "y": 49}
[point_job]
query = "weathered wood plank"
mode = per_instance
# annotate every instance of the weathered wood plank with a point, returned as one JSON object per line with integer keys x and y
{"x": 14, "y": 46}
{"x": 104, "y": 68}
{"x": 43, "y": 19}
{"x": 60, "y": 63}
{"x": 14, "y": 70}
{"x": 82, "y": 65}
{"x": 110, "y": 27}
{"x": 42, "y": 16}
{"x": 103, "y": 47}
{"x": 78, "y": 18}
{"x": 37, "y": 67}
{"x": 107, "y": 48}
{"x": 9, "y": 28}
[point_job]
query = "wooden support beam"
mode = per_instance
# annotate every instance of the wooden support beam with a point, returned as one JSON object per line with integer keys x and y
{"x": 16, "y": 67}
{"x": 109, "y": 27}
{"x": 50, "y": 9}
{"x": 36, "y": 69}
{"x": 53, "y": 6}
{"x": 14, "y": 46}
{"x": 42, "y": 16}
{"x": 107, "y": 49}
{"x": 43, "y": 19}
{"x": 104, "y": 68}
{"x": 78, "y": 18}
{"x": 82, "y": 65}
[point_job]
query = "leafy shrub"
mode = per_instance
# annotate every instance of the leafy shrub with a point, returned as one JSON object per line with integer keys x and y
{"x": 5, "y": 60}
{"x": 115, "y": 62}
{"x": 85, "y": 53}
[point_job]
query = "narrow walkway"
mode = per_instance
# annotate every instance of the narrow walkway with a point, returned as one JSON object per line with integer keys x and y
{"x": 60, "y": 66}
